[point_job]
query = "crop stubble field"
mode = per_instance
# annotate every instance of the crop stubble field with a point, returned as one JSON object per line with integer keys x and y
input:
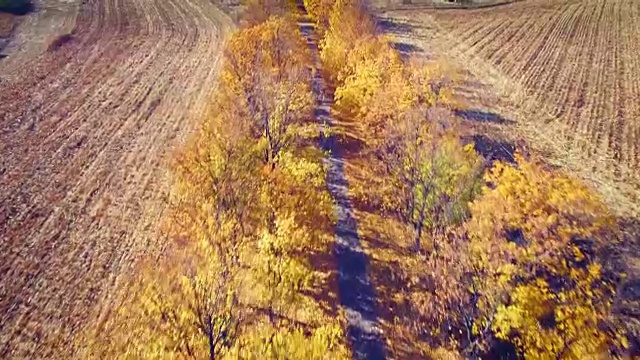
{"x": 85, "y": 128}
{"x": 570, "y": 67}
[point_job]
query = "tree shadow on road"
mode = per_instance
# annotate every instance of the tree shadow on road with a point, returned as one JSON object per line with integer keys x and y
{"x": 384, "y": 241}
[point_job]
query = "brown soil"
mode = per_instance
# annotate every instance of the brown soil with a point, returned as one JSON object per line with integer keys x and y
{"x": 85, "y": 128}
{"x": 6, "y": 24}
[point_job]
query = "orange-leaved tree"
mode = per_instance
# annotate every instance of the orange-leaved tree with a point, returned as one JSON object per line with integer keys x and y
{"x": 266, "y": 68}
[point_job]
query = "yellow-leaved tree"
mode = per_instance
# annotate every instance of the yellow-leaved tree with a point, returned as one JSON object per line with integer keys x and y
{"x": 431, "y": 175}
{"x": 347, "y": 23}
{"x": 319, "y": 11}
{"x": 537, "y": 283}
{"x": 185, "y": 304}
{"x": 248, "y": 211}
{"x": 370, "y": 65}
{"x": 325, "y": 343}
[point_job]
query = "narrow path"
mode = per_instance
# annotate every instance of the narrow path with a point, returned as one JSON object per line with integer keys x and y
{"x": 356, "y": 293}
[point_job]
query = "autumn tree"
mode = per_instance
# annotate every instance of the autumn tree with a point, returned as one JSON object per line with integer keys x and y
{"x": 347, "y": 23}
{"x": 187, "y": 304}
{"x": 432, "y": 175}
{"x": 319, "y": 11}
{"x": 266, "y": 67}
{"x": 369, "y": 66}
{"x": 296, "y": 224}
{"x": 183, "y": 306}
{"x": 248, "y": 211}
{"x": 376, "y": 86}
{"x": 210, "y": 201}
{"x": 525, "y": 268}
{"x": 296, "y": 343}
{"x": 266, "y": 70}
{"x": 429, "y": 174}
{"x": 537, "y": 283}
{"x": 259, "y": 11}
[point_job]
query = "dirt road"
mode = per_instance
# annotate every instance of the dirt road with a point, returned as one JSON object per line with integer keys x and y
{"x": 84, "y": 132}
{"x": 356, "y": 292}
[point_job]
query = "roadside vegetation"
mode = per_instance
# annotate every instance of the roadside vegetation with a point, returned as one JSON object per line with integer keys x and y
{"x": 249, "y": 218}
{"x": 469, "y": 258}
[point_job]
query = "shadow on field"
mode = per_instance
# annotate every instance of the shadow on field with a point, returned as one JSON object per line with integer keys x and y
{"x": 383, "y": 253}
{"x": 483, "y": 116}
{"x": 405, "y": 49}
{"x": 59, "y": 42}
{"x": 624, "y": 258}
{"x": 16, "y": 7}
{"x": 394, "y": 27}
{"x": 409, "y": 5}
{"x": 494, "y": 150}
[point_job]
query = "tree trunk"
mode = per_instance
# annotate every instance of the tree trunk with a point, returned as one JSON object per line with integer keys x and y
{"x": 417, "y": 228}
{"x": 212, "y": 346}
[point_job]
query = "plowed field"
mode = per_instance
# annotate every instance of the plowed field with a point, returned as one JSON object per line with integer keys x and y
{"x": 573, "y": 69}
{"x": 85, "y": 128}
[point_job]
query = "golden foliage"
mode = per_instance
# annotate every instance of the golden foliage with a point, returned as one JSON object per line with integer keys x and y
{"x": 279, "y": 273}
{"x": 248, "y": 210}
{"x": 347, "y": 23}
{"x": 266, "y": 74}
{"x": 549, "y": 208}
{"x": 185, "y": 309}
{"x": 563, "y": 324}
{"x": 431, "y": 175}
{"x": 535, "y": 236}
{"x": 524, "y": 268}
{"x": 324, "y": 344}
{"x": 319, "y": 11}
{"x": 370, "y": 64}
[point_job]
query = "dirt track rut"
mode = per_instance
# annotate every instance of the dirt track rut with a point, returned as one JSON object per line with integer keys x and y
{"x": 84, "y": 132}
